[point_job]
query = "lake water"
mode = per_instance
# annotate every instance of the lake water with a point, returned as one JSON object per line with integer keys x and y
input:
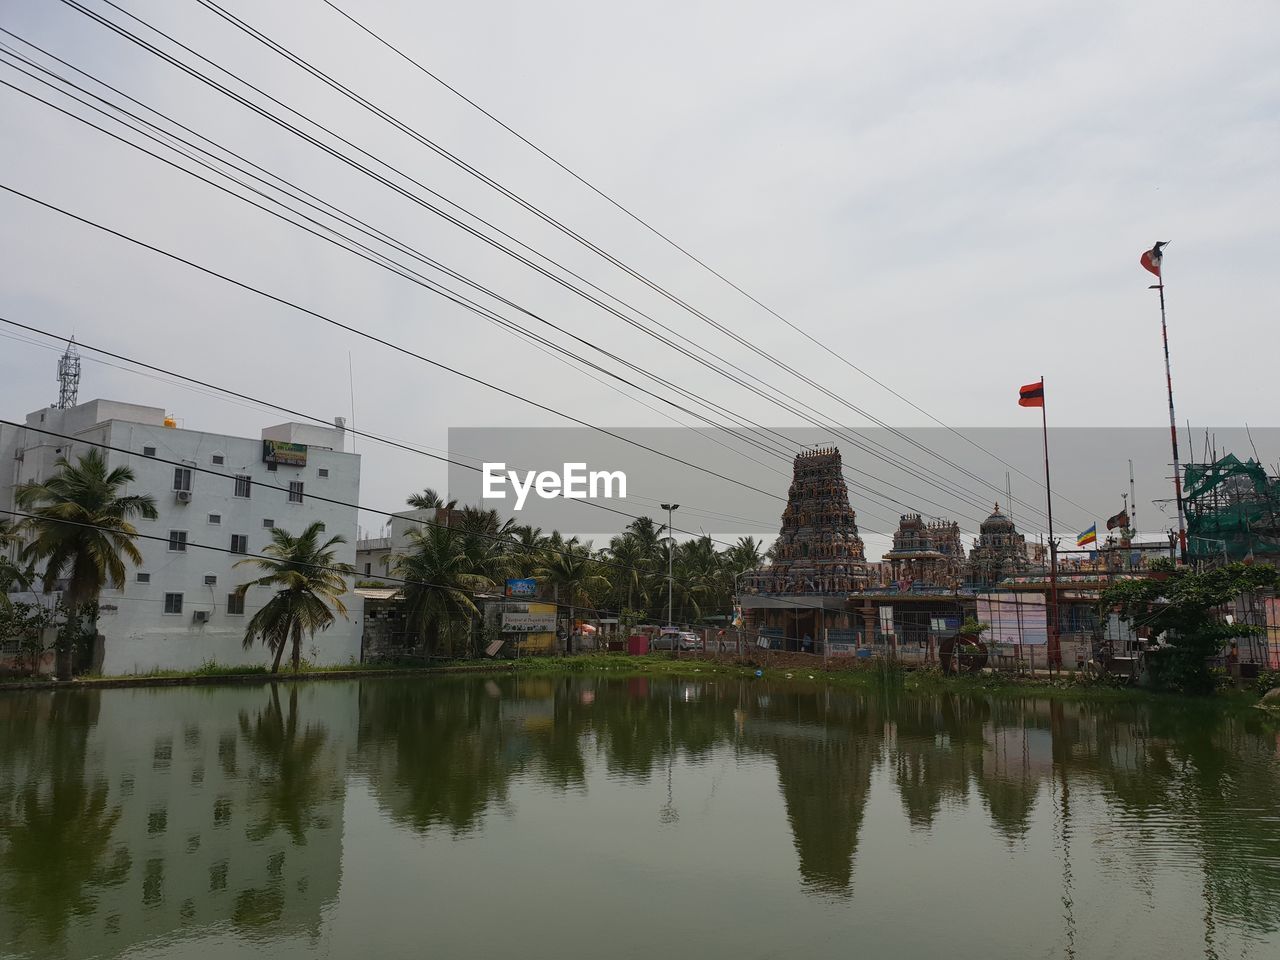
{"x": 594, "y": 817}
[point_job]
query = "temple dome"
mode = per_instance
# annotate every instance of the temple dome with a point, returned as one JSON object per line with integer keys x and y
{"x": 996, "y": 522}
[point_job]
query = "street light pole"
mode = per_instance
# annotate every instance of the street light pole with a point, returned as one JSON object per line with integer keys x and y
{"x": 671, "y": 553}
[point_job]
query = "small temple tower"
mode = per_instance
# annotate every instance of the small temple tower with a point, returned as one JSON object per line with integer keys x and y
{"x": 1000, "y": 551}
{"x": 818, "y": 548}
{"x": 929, "y": 553}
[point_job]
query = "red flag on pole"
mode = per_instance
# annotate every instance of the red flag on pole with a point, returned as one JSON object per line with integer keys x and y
{"x": 1151, "y": 259}
{"x": 1032, "y": 395}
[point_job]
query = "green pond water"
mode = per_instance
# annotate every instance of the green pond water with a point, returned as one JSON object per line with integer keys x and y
{"x": 595, "y": 817}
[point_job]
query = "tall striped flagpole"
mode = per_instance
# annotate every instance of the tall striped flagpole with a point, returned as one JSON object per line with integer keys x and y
{"x": 1153, "y": 260}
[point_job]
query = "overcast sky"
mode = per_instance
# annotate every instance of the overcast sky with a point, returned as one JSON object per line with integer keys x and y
{"x": 952, "y": 196}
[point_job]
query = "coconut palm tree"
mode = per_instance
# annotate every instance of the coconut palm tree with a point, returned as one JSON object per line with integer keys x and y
{"x": 428, "y": 499}
{"x": 526, "y": 548}
{"x": 308, "y": 580}
{"x": 11, "y": 575}
{"x": 440, "y": 578}
{"x": 80, "y": 528}
{"x": 576, "y": 576}
{"x": 630, "y": 569}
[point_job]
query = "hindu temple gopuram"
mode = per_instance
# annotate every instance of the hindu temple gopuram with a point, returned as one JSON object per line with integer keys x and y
{"x": 818, "y": 558}
{"x": 818, "y": 548}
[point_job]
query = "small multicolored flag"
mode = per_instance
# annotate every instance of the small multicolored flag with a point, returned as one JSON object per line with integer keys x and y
{"x": 1152, "y": 258}
{"x": 1088, "y": 536}
{"x": 1032, "y": 395}
{"x": 1121, "y": 519}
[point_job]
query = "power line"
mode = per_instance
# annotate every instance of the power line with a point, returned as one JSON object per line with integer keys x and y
{"x": 675, "y": 245}
{"x": 538, "y": 343}
{"x": 559, "y": 225}
{"x": 378, "y": 259}
{"x": 393, "y": 265}
{"x": 376, "y": 339}
{"x": 746, "y": 383}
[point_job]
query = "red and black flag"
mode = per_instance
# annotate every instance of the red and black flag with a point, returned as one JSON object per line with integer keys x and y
{"x": 1032, "y": 395}
{"x": 1121, "y": 519}
{"x": 1152, "y": 258}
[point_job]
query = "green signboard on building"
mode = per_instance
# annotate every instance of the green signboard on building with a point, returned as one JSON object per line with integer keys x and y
{"x": 289, "y": 454}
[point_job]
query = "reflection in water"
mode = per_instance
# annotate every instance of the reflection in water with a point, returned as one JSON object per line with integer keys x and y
{"x": 147, "y": 816}
{"x": 129, "y": 817}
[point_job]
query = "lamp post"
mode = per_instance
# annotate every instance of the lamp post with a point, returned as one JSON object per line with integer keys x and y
{"x": 671, "y": 553}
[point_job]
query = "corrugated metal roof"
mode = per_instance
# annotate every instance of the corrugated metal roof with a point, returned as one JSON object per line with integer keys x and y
{"x": 377, "y": 593}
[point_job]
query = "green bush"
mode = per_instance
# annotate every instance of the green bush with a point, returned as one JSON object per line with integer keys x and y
{"x": 1267, "y": 680}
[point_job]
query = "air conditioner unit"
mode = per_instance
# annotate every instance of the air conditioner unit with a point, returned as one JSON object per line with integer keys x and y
{"x": 200, "y": 616}
{"x": 184, "y": 496}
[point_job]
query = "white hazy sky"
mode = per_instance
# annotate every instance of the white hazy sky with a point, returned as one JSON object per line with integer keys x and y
{"x": 953, "y": 196}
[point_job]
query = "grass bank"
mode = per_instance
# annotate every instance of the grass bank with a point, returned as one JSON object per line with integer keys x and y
{"x": 864, "y": 675}
{"x": 860, "y": 675}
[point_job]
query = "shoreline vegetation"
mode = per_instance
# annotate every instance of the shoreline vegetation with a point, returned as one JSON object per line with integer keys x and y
{"x": 866, "y": 676}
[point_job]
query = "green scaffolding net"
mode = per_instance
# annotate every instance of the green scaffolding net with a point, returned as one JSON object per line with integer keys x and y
{"x": 1233, "y": 508}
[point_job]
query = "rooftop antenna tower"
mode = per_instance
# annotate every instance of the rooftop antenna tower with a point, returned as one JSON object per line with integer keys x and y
{"x": 68, "y": 376}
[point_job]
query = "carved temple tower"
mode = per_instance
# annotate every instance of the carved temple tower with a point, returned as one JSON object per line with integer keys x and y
{"x": 1000, "y": 551}
{"x": 930, "y": 553}
{"x": 819, "y": 550}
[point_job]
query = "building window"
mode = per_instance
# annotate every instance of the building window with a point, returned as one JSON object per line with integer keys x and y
{"x": 243, "y": 483}
{"x": 268, "y": 524}
{"x": 295, "y": 491}
{"x": 235, "y": 604}
{"x": 173, "y": 603}
{"x": 271, "y": 467}
{"x": 323, "y": 472}
{"x": 215, "y": 518}
{"x": 210, "y": 579}
{"x": 218, "y": 459}
{"x": 148, "y": 451}
{"x": 320, "y": 528}
{"x": 239, "y": 543}
{"x": 368, "y": 569}
{"x": 178, "y": 540}
{"x": 181, "y": 478}
{"x": 144, "y": 578}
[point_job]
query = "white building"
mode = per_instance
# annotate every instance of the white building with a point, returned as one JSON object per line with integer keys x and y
{"x": 374, "y": 555}
{"x": 177, "y": 609}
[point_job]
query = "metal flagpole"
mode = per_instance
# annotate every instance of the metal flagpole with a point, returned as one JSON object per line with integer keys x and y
{"x": 1133, "y": 503}
{"x": 1055, "y": 650}
{"x": 1173, "y": 422}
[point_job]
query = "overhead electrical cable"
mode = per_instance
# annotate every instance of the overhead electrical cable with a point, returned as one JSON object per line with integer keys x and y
{"x": 715, "y": 367}
{"x": 772, "y": 358}
{"x": 395, "y": 267}
{"x": 665, "y": 238}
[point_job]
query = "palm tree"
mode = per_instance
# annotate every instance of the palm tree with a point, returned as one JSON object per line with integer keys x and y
{"x": 80, "y": 526}
{"x": 630, "y": 570}
{"x": 428, "y": 499}
{"x": 575, "y": 576}
{"x": 308, "y": 581}
{"x": 11, "y": 574}
{"x": 440, "y": 578}
{"x": 526, "y": 548}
